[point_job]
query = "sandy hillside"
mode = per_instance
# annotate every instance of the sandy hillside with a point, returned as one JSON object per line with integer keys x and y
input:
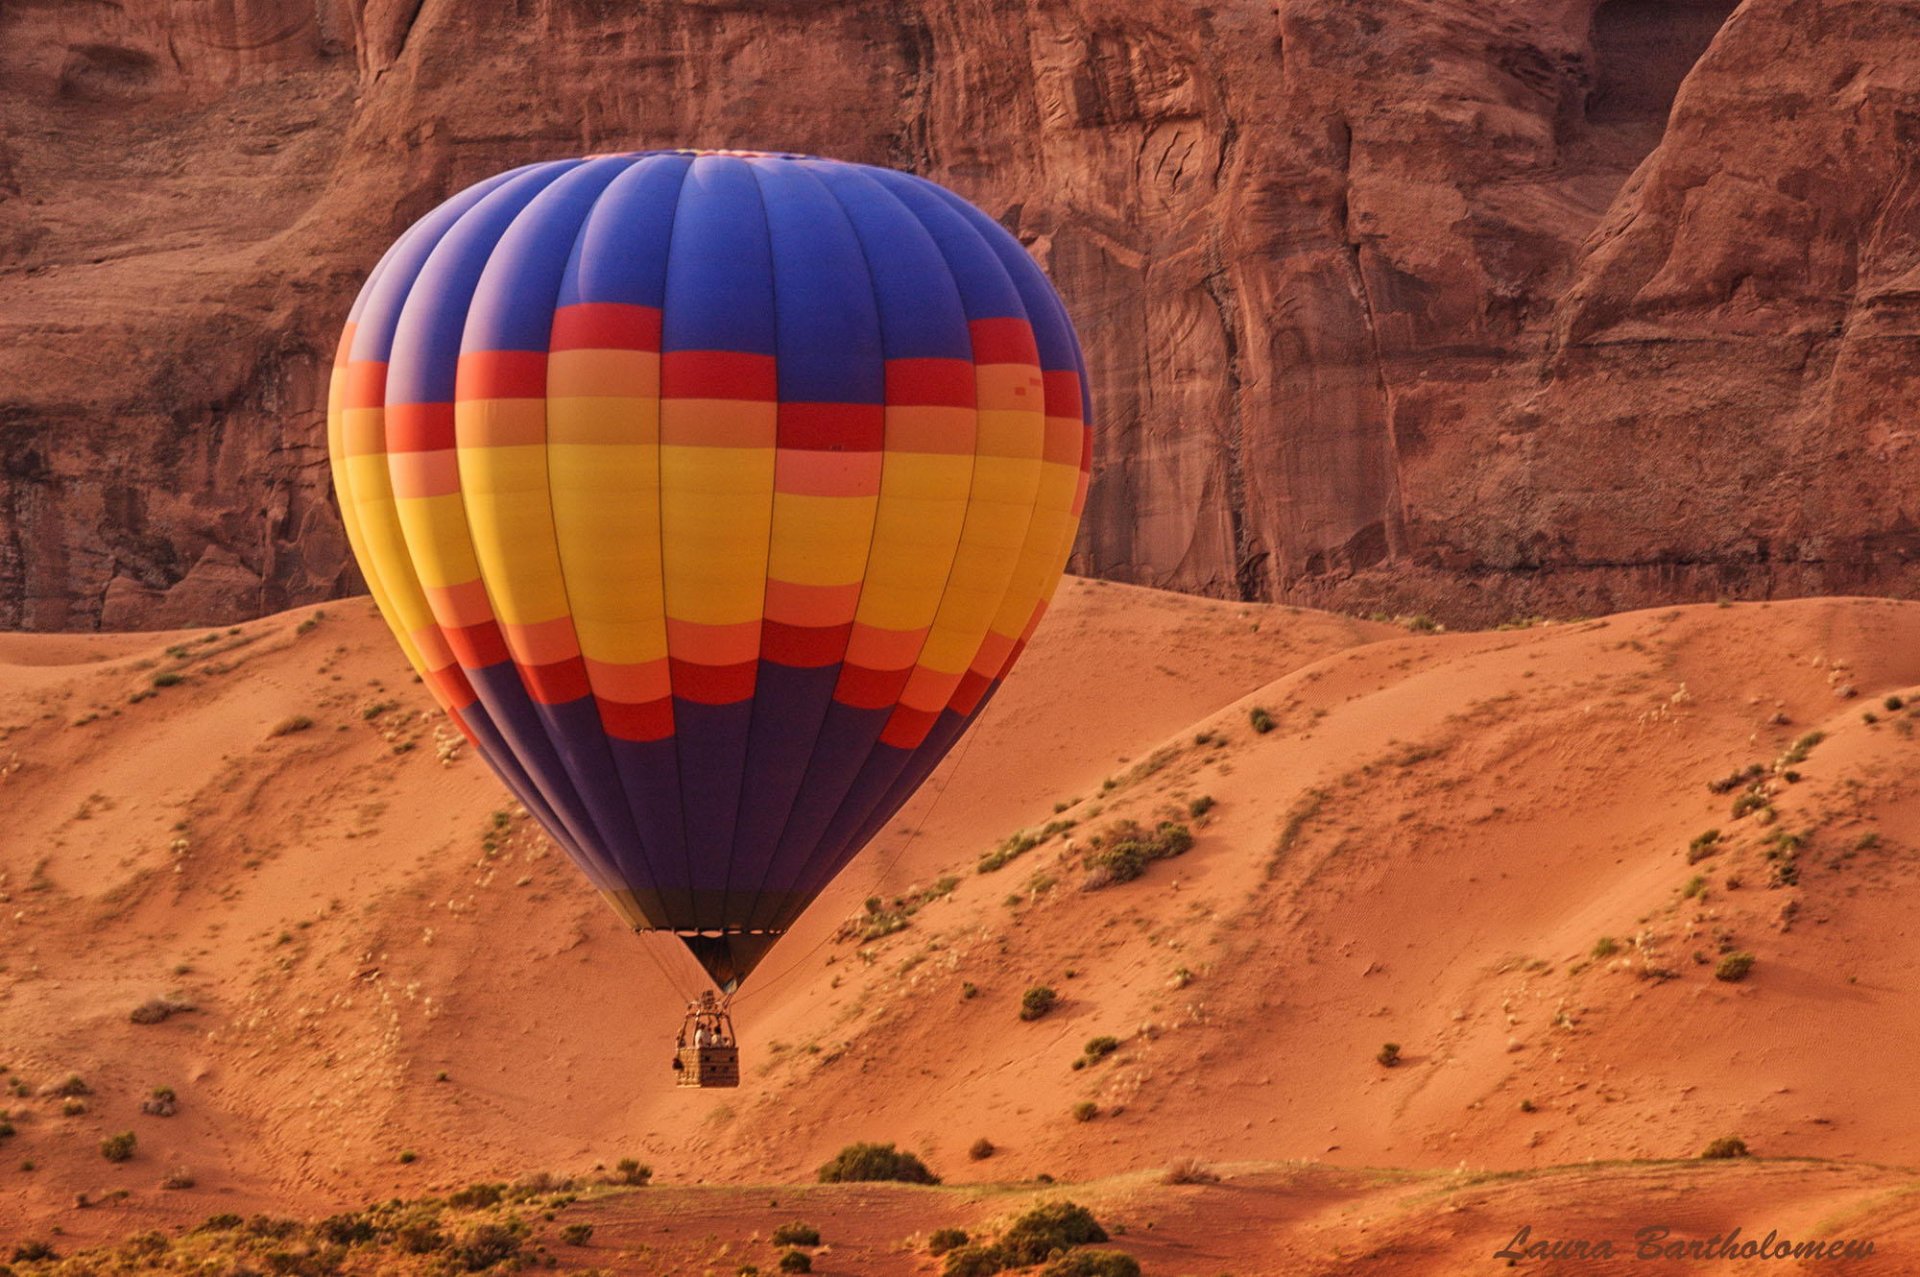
{"x": 1476, "y": 846}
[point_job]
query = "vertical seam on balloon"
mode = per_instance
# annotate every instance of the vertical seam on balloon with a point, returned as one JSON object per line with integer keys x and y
{"x": 766, "y": 573}
{"x": 559, "y": 558}
{"x": 660, "y": 513}
{"x": 973, "y": 474}
{"x": 873, "y": 531}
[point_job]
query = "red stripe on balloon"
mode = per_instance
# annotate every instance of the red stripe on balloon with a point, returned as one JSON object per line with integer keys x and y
{"x": 366, "y": 384}
{"x": 717, "y": 374}
{"x": 501, "y": 374}
{"x": 557, "y": 682}
{"x": 712, "y": 684}
{"x": 476, "y": 646}
{"x": 803, "y": 646}
{"x": 833, "y": 427}
{"x": 908, "y": 727}
{"x": 1003, "y": 341}
{"x": 862, "y": 688}
{"x": 605, "y": 326}
{"x": 937, "y": 383}
{"x": 650, "y": 720}
{"x": 419, "y": 427}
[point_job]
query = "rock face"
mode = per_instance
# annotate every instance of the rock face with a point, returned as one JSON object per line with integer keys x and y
{"x": 1423, "y": 305}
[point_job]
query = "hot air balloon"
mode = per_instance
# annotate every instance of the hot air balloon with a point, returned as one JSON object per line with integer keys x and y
{"x": 712, "y": 494}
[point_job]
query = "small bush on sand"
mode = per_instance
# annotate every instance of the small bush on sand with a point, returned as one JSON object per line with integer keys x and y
{"x": 1200, "y": 806}
{"x": 155, "y": 1010}
{"x": 118, "y": 1148}
{"x": 1085, "y": 1111}
{"x": 870, "y": 1163}
{"x": 1261, "y": 721}
{"x": 796, "y": 1261}
{"x": 1189, "y": 1170}
{"x": 796, "y": 1234}
{"x": 1123, "y": 852}
{"x": 1036, "y": 1235}
{"x": 177, "y": 1178}
{"x": 945, "y": 1239}
{"x": 981, "y": 1149}
{"x": 1702, "y": 846}
{"x": 1037, "y": 1001}
{"x": 577, "y": 1234}
{"x": 1389, "y": 1055}
{"x": 1605, "y": 947}
{"x": 629, "y": 1171}
{"x": 1733, "y": 967}
{"x": 73, "y": 1084}
{"x": 1727, "y": 1146}
{"x": 974, "y": 1261}
{"x": 1101, "y": 1047}
{"x": 32, "y": 1252}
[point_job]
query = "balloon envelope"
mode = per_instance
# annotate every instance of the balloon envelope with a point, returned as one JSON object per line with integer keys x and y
{"x": 712, "y": 494}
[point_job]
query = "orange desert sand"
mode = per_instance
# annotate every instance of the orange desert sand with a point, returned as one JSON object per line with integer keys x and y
{"x": 1474, "y": 845}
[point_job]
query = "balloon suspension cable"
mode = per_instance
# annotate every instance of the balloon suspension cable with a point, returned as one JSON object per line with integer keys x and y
{"x": 674, "y": 982}
{"x": 912, "y": 837}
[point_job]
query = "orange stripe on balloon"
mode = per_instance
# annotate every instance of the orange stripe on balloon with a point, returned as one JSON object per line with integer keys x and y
{"x": 812, "y": 605}
{"x": 713, "y": 644}
{"x": 542, "y": 642}
{"x": 501, "y": 423}
{"x": 609, "y": 374}
{"x": 424, "y": 474}
{"x": 366, "y": 384}
{"x": 363, "y": 432}
{"x": 463, "y": 604}
{"x": 826, "y": 474}
{"x": 918, "y": 428}
{"x": 718, "y": 423}
{"x": 881, "y": 649}
{"x": 1063, "y": 439}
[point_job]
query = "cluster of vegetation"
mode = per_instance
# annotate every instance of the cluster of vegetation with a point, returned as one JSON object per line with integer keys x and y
{"x": 1189, "y": 1170}
{"x": 483, "y": 1228}
{"x": 1733, "y": 967}
{"x": 1260, "y": 720}
{"x": 1798, "y": 751}
{"x": 1745, "y": 776}
{"x": 872, "y": 1163}
{"x": 1097, "y": 1049}
{"x": 1037, "y": 1001}
{"x": 883, "y": 918}
{"x": 1727, "y": 1146}
{"x": 1702, "y": 846}
{"x": 1049, "y": 1234}
{"x": 1018, "y": 844}
{"x": 1388, "y": 1055}
{"x": 1124, "y": 851}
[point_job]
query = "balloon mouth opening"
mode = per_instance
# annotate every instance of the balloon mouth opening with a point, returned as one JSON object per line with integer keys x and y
{"x": 715, "y": 933}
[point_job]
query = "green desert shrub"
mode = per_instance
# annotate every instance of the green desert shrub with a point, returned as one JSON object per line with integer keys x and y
{"x": 1092, "y": 1263}
{"x": 1261, "y": 721}
{"x": 1037, "y": 1001}
{"x": 796, "y": 1234}
{"x": 1054, "y": 1226}
{"x": 981, "y": 1149}
{"x": 1388, "y": 1055}
{"x": 118, "y": 1148}
{"x": 943, "y": 1240}
{"x": 796, "y": 1261}
{"x": 869, "y": 1163}
{"x": 1124, "y": 851}
{"x": 1727, "y": 1146}
{"x": 1733, "y": 967}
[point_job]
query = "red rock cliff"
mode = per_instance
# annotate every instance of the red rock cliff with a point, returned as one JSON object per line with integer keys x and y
{"x": 1477, "y": 309}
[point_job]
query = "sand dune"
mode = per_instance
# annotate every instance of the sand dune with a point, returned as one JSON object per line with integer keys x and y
{"x": 1428, "y": 849}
